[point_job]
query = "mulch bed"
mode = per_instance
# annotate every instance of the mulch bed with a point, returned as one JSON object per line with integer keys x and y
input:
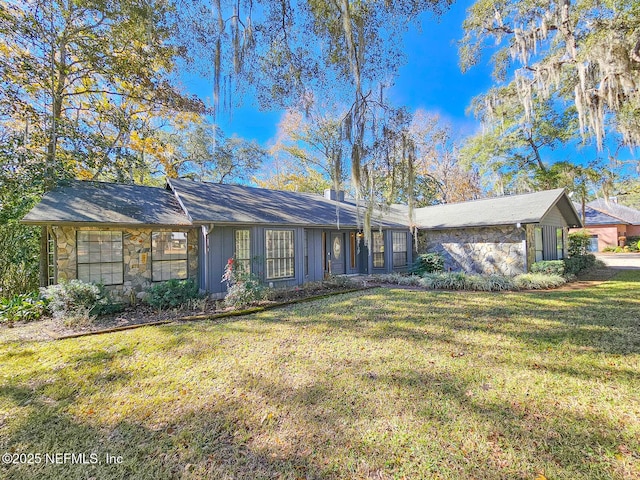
{"x": 144, "y": 315}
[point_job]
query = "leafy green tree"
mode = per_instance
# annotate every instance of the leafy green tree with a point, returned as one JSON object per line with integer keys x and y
{"x": 582, "y": 55}
{"x": 509, "y": 149}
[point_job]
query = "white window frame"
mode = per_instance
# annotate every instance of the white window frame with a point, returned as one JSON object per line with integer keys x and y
{"x": 242, "y": 253}
{"x": 280, "y": 257}
{"x": 377, "y": 249}
{"x": 402, "y": 242}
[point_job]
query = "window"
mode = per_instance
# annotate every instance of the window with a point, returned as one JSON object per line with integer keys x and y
{"x": 378, "y": 249}
{"x": 100, "y": 257}
{"x": 353, "y": 249}
{"x": 399, "y": 249}
{"x": 51, "y": 258}
{"x": 243, "y": 251}
{"x": 538, "y": 244}
{"x": 168, "y": 256}
{"x": 559, "y": 244}
{"x": 279, "y": 254}
{"x": 306, "y": 252}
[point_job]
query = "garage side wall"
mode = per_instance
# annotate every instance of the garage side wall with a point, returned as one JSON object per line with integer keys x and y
{"x": 486, "y": 250}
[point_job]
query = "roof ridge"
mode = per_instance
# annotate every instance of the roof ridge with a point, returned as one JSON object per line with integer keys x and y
{"x": 485, "y": 199}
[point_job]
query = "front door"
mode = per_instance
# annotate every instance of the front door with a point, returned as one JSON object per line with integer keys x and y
{"x": 336, "y": 254}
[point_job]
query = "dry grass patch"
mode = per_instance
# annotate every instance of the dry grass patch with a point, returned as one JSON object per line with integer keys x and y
{"x": 377, "y": 384}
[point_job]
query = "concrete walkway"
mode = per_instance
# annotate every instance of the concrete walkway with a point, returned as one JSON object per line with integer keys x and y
{"x": 620, "y": 261}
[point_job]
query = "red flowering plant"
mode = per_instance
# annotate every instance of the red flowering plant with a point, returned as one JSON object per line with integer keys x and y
{"x": 243, "y": 288}
{"x": 229, "y": 275}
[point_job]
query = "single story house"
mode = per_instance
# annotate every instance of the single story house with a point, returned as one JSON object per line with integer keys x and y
{"x": 609, "y": 223}
{"x": 128, "y": 236}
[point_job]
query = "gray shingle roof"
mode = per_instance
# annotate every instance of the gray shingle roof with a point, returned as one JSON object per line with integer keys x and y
{"x": 621, "y": 212}
{"x": 511, "y": 209}
{"x": 216, "y": 203}
{"x": 107, "y": 203}
{"x": 595, "y": 217}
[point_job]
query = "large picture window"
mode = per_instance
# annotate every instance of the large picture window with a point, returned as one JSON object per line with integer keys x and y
{"x": 378, "y": 249}
{"x": 399, "y": 249}
{"x": 279, "y": 253}
{"x": 99, "y": 255}
{"x": 243, "y": 251}
{"x": 168, "y": 256}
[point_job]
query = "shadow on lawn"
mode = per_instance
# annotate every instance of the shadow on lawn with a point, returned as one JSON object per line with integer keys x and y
{"x": 593, "y": 319}
{"x": 207, "y": 443}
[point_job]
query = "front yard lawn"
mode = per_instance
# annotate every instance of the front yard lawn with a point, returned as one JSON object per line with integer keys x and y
{"x": 386, "y": 383}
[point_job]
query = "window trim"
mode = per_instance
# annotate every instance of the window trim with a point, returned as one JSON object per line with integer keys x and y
{"x": 405, "y": 251}
{"x": 185, "y": 259}
{"x": 535, "y": 244}
{"x": 380, "y": 253}
{"x": 560, "y": 246}
{"x": 121, "y": 261}
{"x": 52, "y": 257}
{"x": 292, "y": 258}
{"x": 235, "y": 247}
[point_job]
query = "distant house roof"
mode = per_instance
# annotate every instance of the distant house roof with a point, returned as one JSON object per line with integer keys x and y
{"x": 595, "y": 217}
{"x": 107, "y": 203}
{"x": 510, "y": 209}
{"x": 626, "y": 214}
{"x": 232, "y": 204}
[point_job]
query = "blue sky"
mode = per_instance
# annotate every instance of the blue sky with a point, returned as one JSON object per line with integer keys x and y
{"x": 430, "y": 80}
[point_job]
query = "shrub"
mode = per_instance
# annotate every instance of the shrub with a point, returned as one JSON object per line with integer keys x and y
{"x": 339, "y": 281}
{"x": 245, "y": 292}
{"x": 22, "y": 308}
{"x": 445, "y": 281}
{"x": 609, "y": 248}
{"x": 428, "y": 263}
{"x": 397, "y": 279}
{"x": 538, "y": 281}
{"x": 171, "y": 294}
{"x": 579, "y": 263}
{"x": 76, "y": 299}
{"x": 549, "y": 267}
{"x": 579, "y": 243}
{"x": 632, "y": 243}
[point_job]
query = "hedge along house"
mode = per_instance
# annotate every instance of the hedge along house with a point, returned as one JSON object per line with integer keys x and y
{"x": 503, "y": 235}
{"x": 128, "y": 237}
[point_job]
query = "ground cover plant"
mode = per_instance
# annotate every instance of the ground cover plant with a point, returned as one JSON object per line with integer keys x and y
{"x": 385, "y": 383}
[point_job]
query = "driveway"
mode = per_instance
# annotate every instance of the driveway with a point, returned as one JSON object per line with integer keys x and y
{"x": 620, "y": 261}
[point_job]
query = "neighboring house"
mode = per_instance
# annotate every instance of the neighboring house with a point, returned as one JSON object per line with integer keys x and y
{"x": 128, "y": 237}
{"x": 609, "y": 223}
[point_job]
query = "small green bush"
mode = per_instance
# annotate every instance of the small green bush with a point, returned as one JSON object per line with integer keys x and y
{"x": 538, "y": 281}
{"x": 609, "y": 249}
{"x": 171, "y": 294}
{"x": 579, "y": 263}
{"x": 245, "y": 292}
{"x": 74, "y": 299}
{"x": 26, "y": 307}
{"x": 428, "y": 263}
{"x": 579, "y": 243}
{"x": 549, "y": 267}
{"x": 632, "y": 243}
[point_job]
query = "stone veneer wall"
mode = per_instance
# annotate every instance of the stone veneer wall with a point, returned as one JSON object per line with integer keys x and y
{"x": 485, "y": 250}
{"x": 136, "y": 246}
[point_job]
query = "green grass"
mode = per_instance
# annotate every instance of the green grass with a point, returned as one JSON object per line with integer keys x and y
{"x": 377, "y": 384}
